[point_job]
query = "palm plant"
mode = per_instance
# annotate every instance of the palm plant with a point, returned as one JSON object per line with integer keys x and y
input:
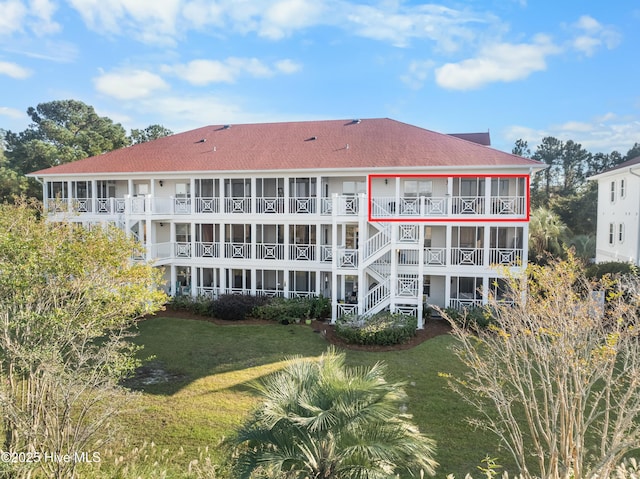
{"x": 546, "y": 233}
{"x": 323, "y": 420}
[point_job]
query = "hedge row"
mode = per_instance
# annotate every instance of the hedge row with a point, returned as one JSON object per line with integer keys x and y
{"x": 236, "y": 307}
{"x": 382, "y": 329}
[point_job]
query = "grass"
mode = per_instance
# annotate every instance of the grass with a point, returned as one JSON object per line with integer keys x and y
{"x": 212, "y": 367}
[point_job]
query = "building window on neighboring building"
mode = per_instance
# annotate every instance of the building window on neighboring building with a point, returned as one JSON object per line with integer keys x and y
{"x": 622, "y": 188}
{"x": 612, "y": 233}
{"x": 620, "y": 233}
{"x": 613, "y": 191}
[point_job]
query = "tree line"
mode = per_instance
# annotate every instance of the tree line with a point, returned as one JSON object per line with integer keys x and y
{"x": 563, "y": 201}
{"x": 61, "y": 131}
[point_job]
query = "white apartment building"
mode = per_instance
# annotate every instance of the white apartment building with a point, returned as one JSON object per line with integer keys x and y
{"x": 618, "y": 224}
{"x": 375, "y": 214}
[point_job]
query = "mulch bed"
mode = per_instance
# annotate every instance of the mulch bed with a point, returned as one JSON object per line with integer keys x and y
{"x": 432, "y": 328}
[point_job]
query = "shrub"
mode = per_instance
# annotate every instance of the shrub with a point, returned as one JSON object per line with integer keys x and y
{"x": 198, "y": 305}
{"x": 381, "y": 329}
{"x": 293, "y": 309}
{"x": 598, "y": 270}
{"x": 235, "y": 307}
{"x": 477, "y": 317}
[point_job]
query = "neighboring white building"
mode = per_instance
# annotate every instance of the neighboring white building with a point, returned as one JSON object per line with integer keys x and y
{"x": 375, "y": 214}
{"x": 618, "y": 226}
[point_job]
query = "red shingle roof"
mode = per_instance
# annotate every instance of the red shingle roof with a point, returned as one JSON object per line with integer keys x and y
{"x": 370, "y": 143}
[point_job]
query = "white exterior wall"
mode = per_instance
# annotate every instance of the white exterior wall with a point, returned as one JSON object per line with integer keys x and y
{"x": 620, "y": 212}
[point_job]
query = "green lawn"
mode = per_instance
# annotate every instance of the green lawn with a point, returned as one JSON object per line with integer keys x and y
{"x": 210, "y": 394}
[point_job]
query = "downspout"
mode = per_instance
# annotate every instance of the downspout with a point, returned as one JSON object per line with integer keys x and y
{"x": 637, "y": 261}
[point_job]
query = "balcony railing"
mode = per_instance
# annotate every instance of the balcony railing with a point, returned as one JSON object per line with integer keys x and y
{"x": 340, "y": 205}
{"x": 237, "y": 205}
{"x": 302, "y": 205}
{"x": 269, "y": 251}
{"x": 435, "y": 256}
{"x": 505, "y": 256}
{"x": 270, "y": 205}
{"x": 207, "y": 205}
{"x": 207, "y": 250}
{"x": 302, "y": 252}
{"x": 467, "y": 256}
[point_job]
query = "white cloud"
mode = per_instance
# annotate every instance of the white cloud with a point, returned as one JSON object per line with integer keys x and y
{"x": 399, "y": 24}
{"x": 149, "y": 21}
{"x": 591, "y": 35}
{"x": 12, "y": 113}
{"x": 181, "y": 113}
{"x": 203, "y": 72}
{"x": 504, "y": 62}
{"x": 13, "y": 14}
{"x": 37, "y": 17}
{"x": 42, "y": 22}
{"x": 285, "y": 16}
{"x": 604, "y": 133}
{"x": 129, "y": 84}
{"x": 287, "y": 66}
{"x": 417, "y": 73}
{"x": 165, "y": 21}
{"x": 14, "y": 70}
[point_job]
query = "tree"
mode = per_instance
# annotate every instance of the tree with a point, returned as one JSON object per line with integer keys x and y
{"x": 579, "y": 210}
{"x": 548, "y": 152}
{"x": 521, "y": 148}
{"x": 322, "y": 420}
{"x": 546, "y": 232}
{"x": 152, "y": 132}
{"x": 68, "y": 299}
{"x": 11, "y": 184}
{"x": 573, "y": 161}
{"x": 62, "y": 131}
{"x": 633, "y": 152}
{"x": 557, "y": 377}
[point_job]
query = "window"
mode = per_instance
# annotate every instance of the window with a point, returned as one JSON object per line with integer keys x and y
{"x": 351, "y": 188}
{"x": 182, "y": 190}
{"x": 426, "y": 285}
{"x": 183, "y": 232}
{"x": 620, "y": 233}
{"x": 622, "y": 188}
{"x": 414, "y": 188}
{"x": 613, "y": 191}
{"x": 612, "y": 233}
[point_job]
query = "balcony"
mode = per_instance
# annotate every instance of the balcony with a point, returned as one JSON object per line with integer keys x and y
{"x": 178, "y": 206}
{"x": 412, "y": 208}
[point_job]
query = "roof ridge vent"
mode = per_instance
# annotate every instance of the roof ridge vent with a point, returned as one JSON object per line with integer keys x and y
{"x": 356, "y": 121}
{"x": 226, "y": 127}
{"x": 203, "y": 140}
{"x": 311, "y": 138}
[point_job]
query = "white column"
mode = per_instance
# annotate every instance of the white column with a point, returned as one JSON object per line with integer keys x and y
{"x": 194, "y": 281}
{"x": 94, "y": 196}
{"x": 420, "y": 276}
{"x": 192, "y": 194}
{"x": 448, "y": 245}
{"x": 174, "y": 280}
{"x": 393, "y": 273}
{"x": 487, "y": 196}
{"x": 334, "y": 260}
{"x": 70, "y": 197}
{"x": 486, "y": 249}
{"x": 253, "y": 194}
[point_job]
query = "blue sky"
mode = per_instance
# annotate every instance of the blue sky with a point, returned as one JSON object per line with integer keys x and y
{"x": 518, "y": 68}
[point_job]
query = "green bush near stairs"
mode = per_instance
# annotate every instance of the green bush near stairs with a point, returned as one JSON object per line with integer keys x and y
{"x": 382, "y": 329}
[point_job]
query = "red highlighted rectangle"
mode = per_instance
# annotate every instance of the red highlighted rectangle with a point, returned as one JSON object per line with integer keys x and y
{"x": 443, "y": 209}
